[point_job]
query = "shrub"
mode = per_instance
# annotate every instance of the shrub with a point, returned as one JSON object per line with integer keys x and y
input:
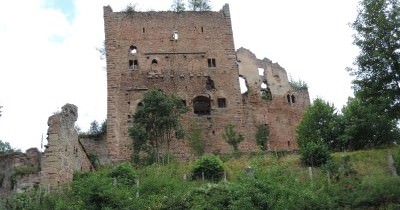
{"x": 210, "y": 165}
{"x": 313, "y": 154}
{"x": 124, "y": 174}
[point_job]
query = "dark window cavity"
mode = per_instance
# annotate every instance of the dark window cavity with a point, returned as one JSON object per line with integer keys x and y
{"x": 211, "y": 63}
{"x": 154, "y": 61}
{"x": 133, "y": 64}
{"x": 221, "y": 102}
{"x": 202, "y": 105}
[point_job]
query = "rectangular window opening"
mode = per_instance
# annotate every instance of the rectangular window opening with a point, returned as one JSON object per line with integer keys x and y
{"x": 211, "y": 63}
{"x": 221, "y": 102}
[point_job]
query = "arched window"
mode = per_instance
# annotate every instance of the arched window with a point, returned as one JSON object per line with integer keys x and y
{"x": 288, "y": 98}
{"x": 202, "y": 105}
{"x": 293, "y": 99}
{"x": 154, "y": 61}
{"x": 133, "y": 49}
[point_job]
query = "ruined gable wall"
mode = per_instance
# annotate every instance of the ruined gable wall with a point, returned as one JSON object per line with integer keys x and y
{"x": 281, "y": 115}
{"x": 64, "y": 154}
{"x": 181, "y": 67}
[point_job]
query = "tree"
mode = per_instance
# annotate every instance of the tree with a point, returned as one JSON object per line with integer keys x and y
{"x": 262, "y": 135}
{"x": 377, "y": 29}
{"x": 231, "y": 137}
{"x": 5, "y": 148}
{"x": 0, "y": 110}
{"x": 199, "y": 5}
{"x": 178, "y": 6}
{"x": 156, "y": 122}
{"x": 366, "y": 126}
{"x": 319, "y": 125}
{"x": 94, "y": 128}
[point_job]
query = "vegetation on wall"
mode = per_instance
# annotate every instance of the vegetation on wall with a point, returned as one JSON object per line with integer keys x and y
{"x": 262, "y": 136}
{"x": 232, "y": 137}
{"x": 196, "y": 140}
{"x": 5, "y": 148}
{"x": 199, "y": 5}
{"x": 155, "y": 123}
{"x": 95, "y": 131}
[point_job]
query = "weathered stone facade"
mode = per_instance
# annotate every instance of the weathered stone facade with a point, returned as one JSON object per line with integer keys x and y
{"x": 63, "y": 156}
{"x": 193, "y": 55}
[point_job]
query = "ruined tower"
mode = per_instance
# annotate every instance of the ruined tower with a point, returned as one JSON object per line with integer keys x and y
{"x": 193, "y": 55}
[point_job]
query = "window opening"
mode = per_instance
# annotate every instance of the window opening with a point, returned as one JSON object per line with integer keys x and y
{"x": 202, "y": 105}
{"x": 133, "y": 49}
{"x": 175, "y": 35}
{"x": 144, "y": 30}
{"x": 210, "y": 84}
{"x": 140, "y": 104}
{"x": 184, "y": 102}
{"x": 288, "y": 98}
{"x": 221, "y": 102}
{"x": 133, "y": 64}
{"x": 293, "y": 99}
{"x": 154, "y": 61}
{"x": 202, "y": 29}
{"x": 260, "y": 71}
{"x": 211, "y": 63}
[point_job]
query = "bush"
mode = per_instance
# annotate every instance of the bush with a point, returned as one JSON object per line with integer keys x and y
{"x": 313, "y": 154}
{"x": 210, "y": 165}
{"x": 124, "y": 174}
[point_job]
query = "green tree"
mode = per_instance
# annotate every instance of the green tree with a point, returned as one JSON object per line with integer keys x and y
{"x": 5, "y": 148}
{"x": 178, "y": 6}
{"x": 156, "y": 122}
{"x": 232, "y": 138}
{"x": 199, "y": 5}
{"x": 366, "y": 126}
{"x": 262, "y": 135}
{"x": 319, "y": 125}
{"x": 94, "y": 128}
{"x": 378, "y": 64}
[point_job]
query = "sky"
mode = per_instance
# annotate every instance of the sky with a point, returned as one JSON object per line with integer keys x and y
{"x": 49, "y": 56}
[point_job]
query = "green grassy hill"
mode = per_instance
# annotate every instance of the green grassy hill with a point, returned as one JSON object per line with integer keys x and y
{"x": 352, "y": 180}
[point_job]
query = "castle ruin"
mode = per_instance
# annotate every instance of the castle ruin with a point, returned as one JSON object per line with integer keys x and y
{"x": 193, "y": 55}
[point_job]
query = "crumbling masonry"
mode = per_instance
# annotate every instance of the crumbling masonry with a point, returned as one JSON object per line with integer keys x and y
{"x": 193, "y": 55}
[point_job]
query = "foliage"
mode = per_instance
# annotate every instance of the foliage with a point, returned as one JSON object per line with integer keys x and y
{"x": 199, "y": 5}
{"x": 178, "y": 6}
{"x": 94, "y": 159}
{"x": 232, "y": 138}
{"x": 378, "y": 64}
{"x": 320, "y": 124}
{"x": 298, "y": 84}
{"x": 196, "y": 140}
{"x": 156, "y": 122}
{"x": 314, "y": 154}
{"x": 0, "y": 110}
{"x": 5, "y": 148}
{"x": 366, "y": 127}
{"x": 130, "y": 8}
{"x": 273, "y": 184}
{"x": 262, "y": 136}
{"x": 95, "y": 131}
{"x": 209, "y": 166}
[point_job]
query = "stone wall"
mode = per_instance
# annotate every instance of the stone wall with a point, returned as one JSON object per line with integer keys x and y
{"x": 97, "y": 148}
{"x": 282, "y": 110}
{"x": 188, "y": 53}
{"x": 28, "y": 165}
{"x": 193, "y": 55}
{"x": 64, "y": 154}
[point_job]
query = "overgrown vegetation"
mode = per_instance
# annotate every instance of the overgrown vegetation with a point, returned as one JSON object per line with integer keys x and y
{"x": 199, "y": 5}
{"x": 95, "y": 131}
{"x": 356, "y": 180}
{"x": 232, "y": 137}
{"x": 196, "y": 140}
{"x": 262, "y": 135}
{"x": 208, "y": 167}
{"x": 298, "y": 84}
{"x": 155, "y": 123}
{"x": 5, "y": 148}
